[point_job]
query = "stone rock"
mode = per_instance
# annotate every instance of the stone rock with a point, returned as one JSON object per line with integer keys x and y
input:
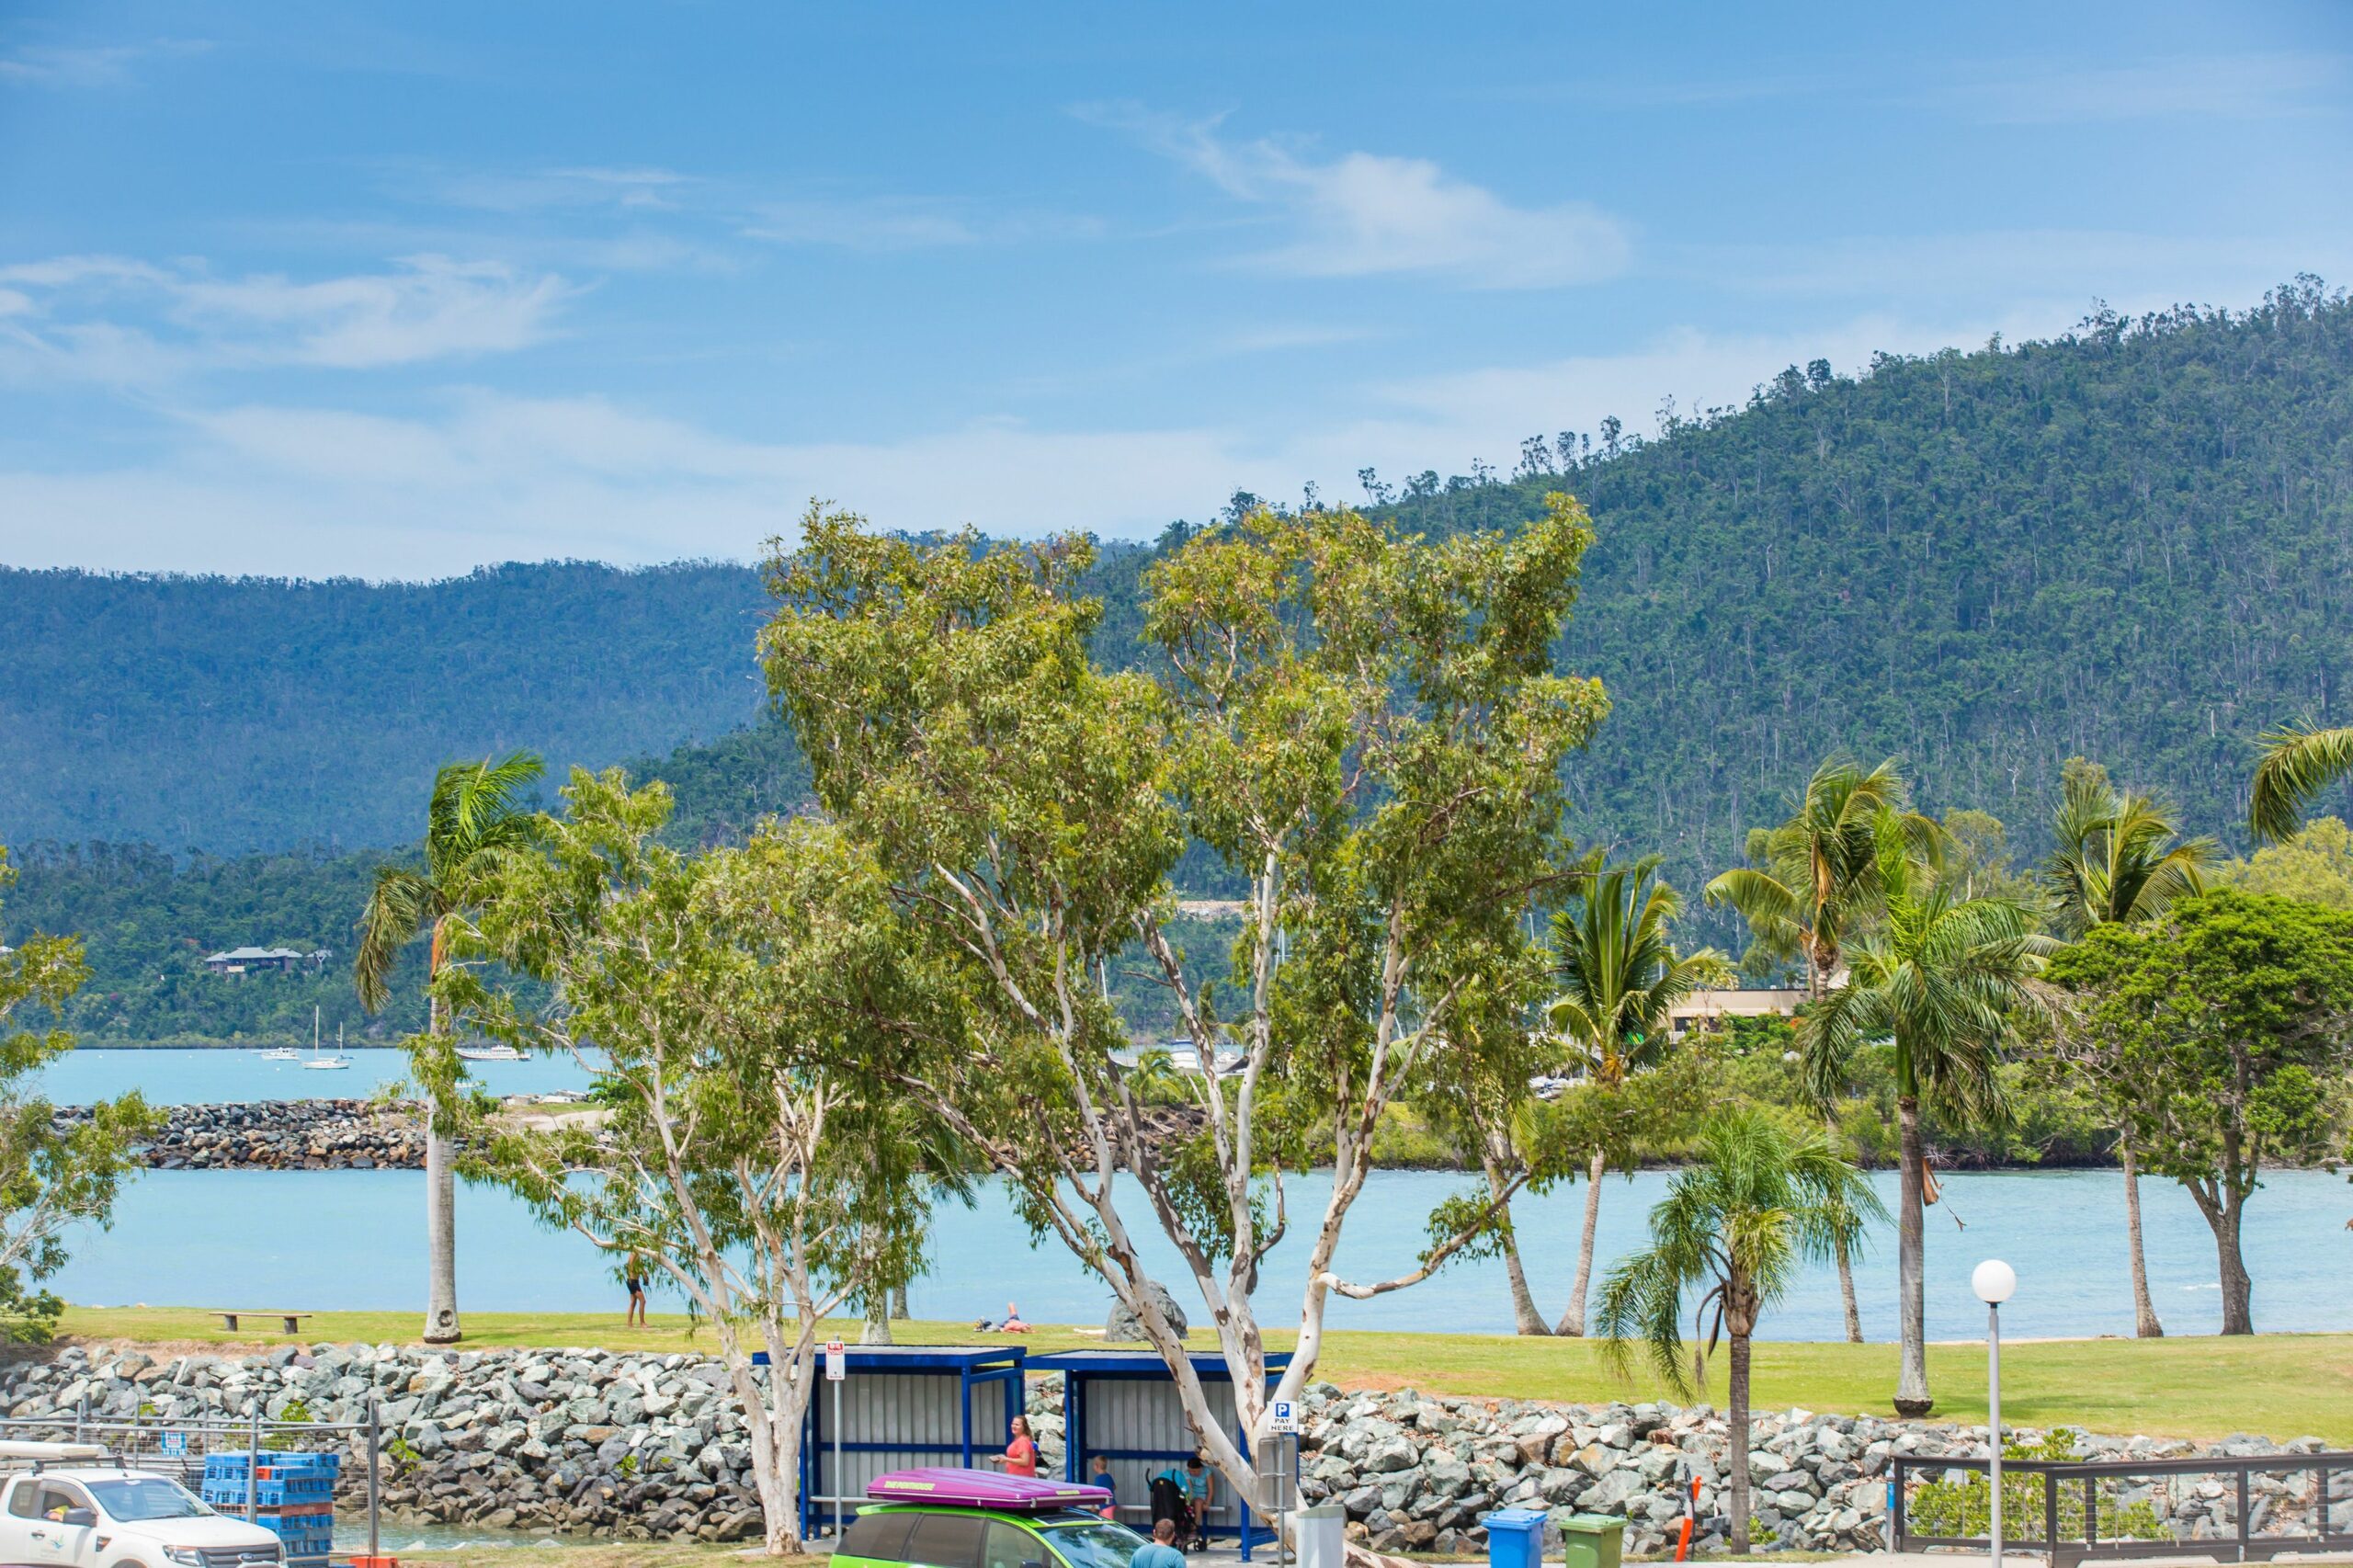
{"x": 1123, "y": 1328}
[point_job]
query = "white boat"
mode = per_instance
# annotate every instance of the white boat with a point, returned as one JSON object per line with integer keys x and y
{"x": 489, "y": 1053}
{"x": 281, "y": 1053}
{"x": 318, "y": 1063}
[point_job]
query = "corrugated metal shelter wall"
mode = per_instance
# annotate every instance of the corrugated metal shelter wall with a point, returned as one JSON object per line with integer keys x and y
{"x": 905, "y": 1410}
{"x": 1143, "y": 1416}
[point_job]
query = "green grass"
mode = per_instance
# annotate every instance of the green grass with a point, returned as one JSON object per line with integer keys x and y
{"x": 2280, "y": 1385}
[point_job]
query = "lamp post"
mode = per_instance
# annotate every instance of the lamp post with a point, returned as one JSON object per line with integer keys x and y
{"x": 1994, "y": 1281}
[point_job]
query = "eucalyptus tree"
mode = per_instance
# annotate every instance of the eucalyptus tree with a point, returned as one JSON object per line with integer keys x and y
{"x": 1620, "y": 977}
{"x": 1939, "y": 975}
{"x": 474, "y": 821}
{"x": 1813, "y": 878}
{"x": 2299, "y": 761}
{"x": 1753, "y": 1204}
{"x": 56, "y": 1178}
{"x": 1365, "y": 728}
{"x": 741, "y": 1010}
{"x": 2117, "y": 858}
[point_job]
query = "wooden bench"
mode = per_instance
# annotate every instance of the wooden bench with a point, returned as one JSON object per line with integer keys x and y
{"x": 293, "y": 1321}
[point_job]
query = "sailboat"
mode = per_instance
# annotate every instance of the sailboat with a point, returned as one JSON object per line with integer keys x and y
{"x": 318, "y": 1063}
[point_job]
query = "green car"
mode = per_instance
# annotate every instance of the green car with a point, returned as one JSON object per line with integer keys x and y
{"x": 963, "y": 1518}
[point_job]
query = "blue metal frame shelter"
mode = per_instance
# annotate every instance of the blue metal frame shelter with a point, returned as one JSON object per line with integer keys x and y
{"x": 904, "y": 1407}
{"x": 1123, "y": 1405}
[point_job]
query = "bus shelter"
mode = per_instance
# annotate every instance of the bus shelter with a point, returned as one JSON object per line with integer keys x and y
{"x": 1123, "y": 1404}
{"x": 902, "y": 1406}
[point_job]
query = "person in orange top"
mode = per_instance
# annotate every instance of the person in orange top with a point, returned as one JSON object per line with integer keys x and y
{"x": 1021, "y": 1454}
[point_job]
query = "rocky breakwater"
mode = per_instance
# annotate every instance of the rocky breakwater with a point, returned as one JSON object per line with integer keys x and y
{"x": 638, "y": 1447}
{"x": 1415, "y": 1473}
{"x": 285, "y": 1135}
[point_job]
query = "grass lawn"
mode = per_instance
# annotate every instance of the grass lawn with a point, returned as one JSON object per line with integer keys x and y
{"x": 2276, "y": 1385}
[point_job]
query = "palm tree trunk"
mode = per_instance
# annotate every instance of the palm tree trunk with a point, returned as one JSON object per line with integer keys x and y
{"x": 1912, "y": 1399}
{"x": 1737, "y": 1444}
{"x": 1846, "y": 1263}
{"x": 2145, "y": 1311}
{"x": 440, "y": 1220}
{"x": 1571, "y": 1323}
{"x": 1526, "y": 1319}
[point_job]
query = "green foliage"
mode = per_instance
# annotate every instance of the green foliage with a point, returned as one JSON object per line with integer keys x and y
{"x": 297, "y": 1412}
{"x": 1962, "y": 1505}
{"x": 2315, "y": 865}
{"x": 54, "y": 1176}
{"x": 2231, "y": 1020}
{"x": 2117, "y": 856}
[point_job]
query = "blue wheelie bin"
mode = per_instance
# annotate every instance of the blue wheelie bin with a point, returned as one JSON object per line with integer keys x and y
{"x": 1515, "y": 1537}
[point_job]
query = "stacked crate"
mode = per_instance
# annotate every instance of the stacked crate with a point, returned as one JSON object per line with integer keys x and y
{"x": 293, "y": 1497}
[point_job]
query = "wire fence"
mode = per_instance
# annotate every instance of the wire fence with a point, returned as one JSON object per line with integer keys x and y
{"x": 178, "y": 1447}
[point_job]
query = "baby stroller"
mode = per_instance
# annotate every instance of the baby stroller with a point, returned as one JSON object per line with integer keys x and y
{"x": 1169, "y": 1502}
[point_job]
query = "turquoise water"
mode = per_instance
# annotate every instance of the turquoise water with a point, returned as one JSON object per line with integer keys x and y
{"x": 202, "y": 1077}
{"x": 325, "y": 1240}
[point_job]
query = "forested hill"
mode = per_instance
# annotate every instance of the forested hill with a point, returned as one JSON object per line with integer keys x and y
{"x": 237, "y": 713}
{"x": 2134, "y": 543}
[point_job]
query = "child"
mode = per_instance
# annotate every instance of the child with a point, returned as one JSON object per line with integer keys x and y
{"x": 1101, "y": 1476}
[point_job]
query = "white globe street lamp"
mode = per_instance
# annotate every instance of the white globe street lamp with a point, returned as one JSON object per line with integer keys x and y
{"x": 1994, "y": 1282}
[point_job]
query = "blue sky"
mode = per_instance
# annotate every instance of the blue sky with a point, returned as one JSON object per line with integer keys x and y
{"x": 398, "y": 291}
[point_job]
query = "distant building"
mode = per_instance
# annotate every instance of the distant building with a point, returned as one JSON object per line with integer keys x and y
{"x": 261, "y": 960}
{"x": 1706, "y": 1009}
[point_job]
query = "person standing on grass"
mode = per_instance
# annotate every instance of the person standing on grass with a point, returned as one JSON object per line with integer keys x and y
{"x": 635, "y": 1280}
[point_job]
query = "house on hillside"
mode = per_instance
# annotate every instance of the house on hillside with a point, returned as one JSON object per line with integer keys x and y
{"x": 1708, "y": 1009}
{"x": 262, "y": 960}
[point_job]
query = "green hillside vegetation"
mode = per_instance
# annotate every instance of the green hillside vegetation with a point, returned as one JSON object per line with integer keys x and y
{"x": 2134, "y": 543}
{"x": 231, "y": 714}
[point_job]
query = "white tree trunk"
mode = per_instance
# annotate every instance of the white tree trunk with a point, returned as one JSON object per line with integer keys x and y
{"x": 1526, "y": 1319}
{"x": 440, "y": 1220}
{"x": 1571, "y": 1323}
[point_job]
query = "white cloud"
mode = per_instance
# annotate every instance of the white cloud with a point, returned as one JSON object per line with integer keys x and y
{"x": 1363, "y": 214}
{"x": 127, "y": 322}
{"x": 2229, "y": 87}
{"x": 87, "y": 65}
{"x": 486, "y": 477}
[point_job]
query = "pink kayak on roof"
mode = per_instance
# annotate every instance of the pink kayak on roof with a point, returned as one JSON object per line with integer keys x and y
{"x": 983, "y": 1489}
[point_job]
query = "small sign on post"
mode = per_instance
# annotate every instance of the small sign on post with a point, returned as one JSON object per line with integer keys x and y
{"x": 1284, "y": 1418}
{"x": 836, "y": 1361}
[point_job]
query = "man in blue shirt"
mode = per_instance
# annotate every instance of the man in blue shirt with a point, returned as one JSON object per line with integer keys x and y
{"x": 1161, "y": 1551}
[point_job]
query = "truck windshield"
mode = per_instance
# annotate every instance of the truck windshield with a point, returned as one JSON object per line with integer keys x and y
{"x": 1100, "y": 1545}
{"x": 138, "y": 1497}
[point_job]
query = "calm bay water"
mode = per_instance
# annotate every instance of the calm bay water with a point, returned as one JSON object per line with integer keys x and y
{"x": 326, "y": 1240}
{"x": 206, "y": 1077}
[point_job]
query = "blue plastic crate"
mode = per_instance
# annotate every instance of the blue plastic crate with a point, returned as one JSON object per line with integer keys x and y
{"x": 270, "y": 1493}
{"x": 228, "y": 1466}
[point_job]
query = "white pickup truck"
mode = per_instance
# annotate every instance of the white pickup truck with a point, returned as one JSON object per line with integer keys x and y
{"x": 80, "y": 1514}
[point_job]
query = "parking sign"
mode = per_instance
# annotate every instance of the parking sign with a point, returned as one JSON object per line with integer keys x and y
{"x": 836, "y": 1361}
{"x": 1285, "y": 1417}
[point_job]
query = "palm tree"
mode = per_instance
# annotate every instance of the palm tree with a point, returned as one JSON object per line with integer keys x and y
{"x": 473, "y": 821}
{"x": 1735, "y": 1223}
{"x": 2299, "y": 761}
{"x": 1621, "y": 978}
{"x": 2119, "y": 859}
{"x": 1939, "y": 975}
{"x": 1813, "y": 878}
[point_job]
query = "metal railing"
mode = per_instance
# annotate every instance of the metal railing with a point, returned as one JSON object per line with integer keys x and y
{"x": 2071, "y": 1528}
{"x": 178, "y": 1448}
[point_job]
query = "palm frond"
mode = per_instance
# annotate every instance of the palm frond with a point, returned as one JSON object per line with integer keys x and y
{"x": 401, "y": 904}
{"x": 2299, "y": 761}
